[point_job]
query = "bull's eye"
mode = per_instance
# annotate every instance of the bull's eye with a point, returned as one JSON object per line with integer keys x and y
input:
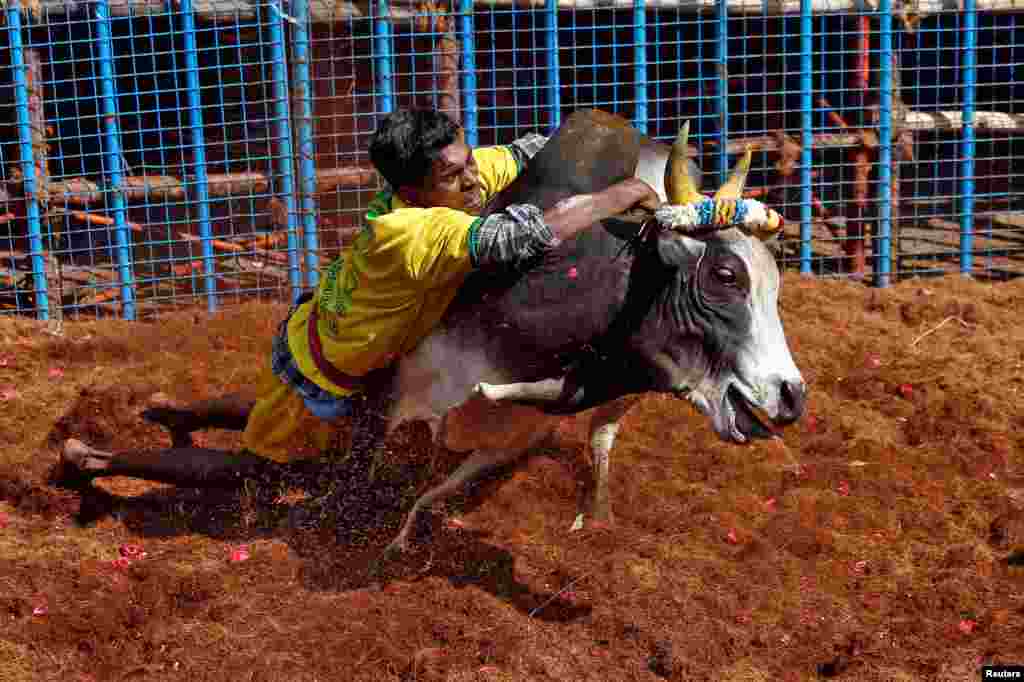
{"x": 726, "y": 276}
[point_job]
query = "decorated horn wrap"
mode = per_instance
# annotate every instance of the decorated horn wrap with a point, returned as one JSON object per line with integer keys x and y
{"x": 679, "y": 186}
{"x": 691, "y": 213}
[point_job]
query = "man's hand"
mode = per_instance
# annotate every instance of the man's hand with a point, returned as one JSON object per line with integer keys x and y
{"x": 571, "y": 215}
{"x": 647, "y": 197}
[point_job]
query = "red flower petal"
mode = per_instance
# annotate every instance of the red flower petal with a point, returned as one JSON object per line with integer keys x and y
{"x": 731, "y": 537}
{"x": 240, "y": 553}
{"x": 967, "y": 626}
{"x": 132, "y": 552}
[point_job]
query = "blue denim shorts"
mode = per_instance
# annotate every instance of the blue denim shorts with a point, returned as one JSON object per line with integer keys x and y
{"x": 321, "y": 404}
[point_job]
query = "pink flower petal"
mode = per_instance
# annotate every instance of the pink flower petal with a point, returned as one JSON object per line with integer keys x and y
{"x": 6, "y": 361}
{"x": 56, "y": 373}
{"x": 8, "y": 393}
{"x": 132, "y": 552}
{"x": 769, "y": 504}
{"x": 240, "y": 553}
{"x": 967, "y": 626}
{"x": 40, "y": 610}
{"x": 573, "y": 273}
{"x": 731, "y": 537}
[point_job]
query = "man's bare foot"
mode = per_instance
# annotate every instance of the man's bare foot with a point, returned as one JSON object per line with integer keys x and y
{"x": 163, "y": 410}
{"x": 79, "y": 462}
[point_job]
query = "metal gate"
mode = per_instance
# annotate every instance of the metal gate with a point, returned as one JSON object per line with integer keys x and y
{"x": 156, "y": 155}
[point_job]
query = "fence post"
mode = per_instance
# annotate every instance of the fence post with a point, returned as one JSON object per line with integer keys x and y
{"x": 553, "y": 64}
{"x": 468, "y": 45}
{"x": 970, "y": 66}
{"x": 806, "y": 132}
{"x": 304, "y": 138}
{"x": 28, "y": 165}
{"x": 382, "y": 43}
{"x": 640, "y": 64}
{"x": 722, "y": 95}
{"x": 282, "y": 114}
{"x": 883, "y": 244}
{"x": 113, "y": 158}
{"x": 195, "y": 120}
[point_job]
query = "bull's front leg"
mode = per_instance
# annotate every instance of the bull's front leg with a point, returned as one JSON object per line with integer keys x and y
{"x": 604, "y": 427}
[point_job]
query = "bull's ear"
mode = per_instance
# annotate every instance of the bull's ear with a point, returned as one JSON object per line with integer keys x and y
{"x": 679, "y": 251}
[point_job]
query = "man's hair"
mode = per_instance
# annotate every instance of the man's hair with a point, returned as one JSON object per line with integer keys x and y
{"x": 408, "y": 141}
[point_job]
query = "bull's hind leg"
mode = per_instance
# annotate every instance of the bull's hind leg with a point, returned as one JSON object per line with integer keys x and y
{"x": 475, "y": 467}
{"x": 604, "y": 427}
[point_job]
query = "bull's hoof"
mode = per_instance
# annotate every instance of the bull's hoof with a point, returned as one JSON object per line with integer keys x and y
{"x": 180, "y": 422}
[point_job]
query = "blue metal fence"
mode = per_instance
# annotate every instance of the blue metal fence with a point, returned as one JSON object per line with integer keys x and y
{"x": 206, "y": 152}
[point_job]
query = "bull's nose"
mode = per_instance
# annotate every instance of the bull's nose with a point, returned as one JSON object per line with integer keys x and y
{"x": 792, "y": 400}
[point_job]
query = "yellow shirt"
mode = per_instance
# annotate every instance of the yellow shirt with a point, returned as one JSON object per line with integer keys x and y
{"x": 391, "y": 287}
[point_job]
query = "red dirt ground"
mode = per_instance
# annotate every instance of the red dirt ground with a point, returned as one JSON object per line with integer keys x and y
{"x": 884, "y": 540}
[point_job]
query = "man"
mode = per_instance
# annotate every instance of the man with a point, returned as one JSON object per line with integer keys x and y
{"x": 423, "y": 236}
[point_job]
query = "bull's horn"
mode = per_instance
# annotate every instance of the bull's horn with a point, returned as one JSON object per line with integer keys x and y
{"x": 679, "y": 185}
{"x": 733, "y": 187}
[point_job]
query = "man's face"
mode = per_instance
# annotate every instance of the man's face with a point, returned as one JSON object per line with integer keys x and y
{"x": 454, "y": 181}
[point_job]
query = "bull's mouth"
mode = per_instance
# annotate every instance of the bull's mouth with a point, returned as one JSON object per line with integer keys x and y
{"x": 741, "y": 418}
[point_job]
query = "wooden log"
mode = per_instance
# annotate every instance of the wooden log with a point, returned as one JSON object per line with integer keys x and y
{"x": 84, "y": 192}
{"x": 954, "y": 120}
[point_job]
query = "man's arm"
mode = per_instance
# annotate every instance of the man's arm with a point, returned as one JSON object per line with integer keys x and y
{"x": 522, "y": 232}
{"x": 525, "y": 147}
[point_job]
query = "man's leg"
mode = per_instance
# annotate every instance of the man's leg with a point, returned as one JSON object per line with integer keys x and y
{"x": 229, "y": 412}
{"x": 191, "y": 467}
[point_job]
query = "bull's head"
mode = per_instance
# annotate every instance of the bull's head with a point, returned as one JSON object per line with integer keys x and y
{"x": 720, "y": 340}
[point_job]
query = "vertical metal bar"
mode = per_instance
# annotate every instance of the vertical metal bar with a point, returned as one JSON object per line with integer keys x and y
{"x": 112, "y": 158}
{"x": 28, "y": 165}
{"x": 553, "y": 64}
{"x": 468, "y": 44}
{"x": 806, "y": 132}
{"x": 304, "y": 138}
{"x": 722, "y": 96}
{"x": 195, "y": 120}
{"x": 970, "y": 68}
{"x": 640, "y": 64}
{"x": 883, "y": 244}
{"x": 282, "y": 114}
{"x": 382, "y": 40}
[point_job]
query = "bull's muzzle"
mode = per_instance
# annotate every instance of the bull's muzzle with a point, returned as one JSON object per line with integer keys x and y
{"x": 792, "y": 401}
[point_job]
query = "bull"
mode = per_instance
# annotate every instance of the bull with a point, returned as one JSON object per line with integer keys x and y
{"x": 683, "y": 302}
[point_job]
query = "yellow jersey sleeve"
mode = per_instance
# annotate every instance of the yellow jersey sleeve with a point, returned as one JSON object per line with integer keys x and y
{"x": 498, "y": 168}
{"x": 439, "y": 246}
